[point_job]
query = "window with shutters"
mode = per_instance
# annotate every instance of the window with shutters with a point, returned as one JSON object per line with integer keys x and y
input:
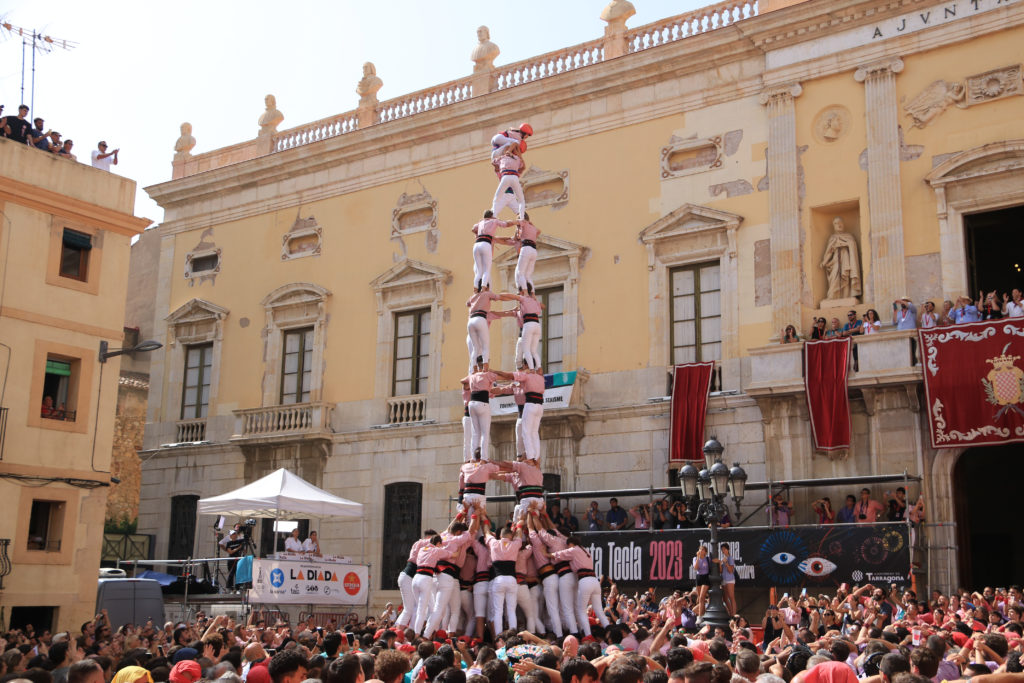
{"x": 183, "y": 527}
{"x": 552, "y": 338}
{"x": 297, "y": 366}
{"x": 74, "y": 254}
{"x": 195, "y": 399}
{"x": 696, "y": 313}
{"x": 403, "y": 503}
{"x": 412, "y": 352}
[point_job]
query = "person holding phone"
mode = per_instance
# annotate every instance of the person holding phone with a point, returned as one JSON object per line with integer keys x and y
{"x": 728, "y": 569}
{"x": 702, "y": 567}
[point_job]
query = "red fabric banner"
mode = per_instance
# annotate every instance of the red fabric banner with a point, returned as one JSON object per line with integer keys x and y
{"x": 691, "y": 383}
{"x": 973, "y": 383}
{"x": 826, "y": 368}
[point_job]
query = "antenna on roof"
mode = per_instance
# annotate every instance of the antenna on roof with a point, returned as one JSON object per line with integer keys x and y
{"x": 40, "y": 43}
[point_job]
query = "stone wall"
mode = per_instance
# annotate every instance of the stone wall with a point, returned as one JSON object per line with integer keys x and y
{"x": 129, "y": 425}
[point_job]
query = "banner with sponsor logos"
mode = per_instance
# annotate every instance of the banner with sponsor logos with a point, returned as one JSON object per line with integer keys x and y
{"x": 815, "y": 557}
{"x": 308, "y": 582}
{"x": 973, "y": 383}
{"x": 557, "y": 394}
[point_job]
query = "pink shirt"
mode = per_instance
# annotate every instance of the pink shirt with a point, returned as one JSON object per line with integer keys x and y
{"x": 482, "y": 381}
{"x": 488, "y": 226}
{"x": 578, "y": 558}
{"x": 511, "y": 163}
{"x": 457, "y": 544}
{"x": 531, "y": 566}
{"x": 530, "y": 381}
{"x": 529, "y": 305}
{"x": 519, "y": 393}
{"x": 468, "y": 569}
{"x": 871, "y": 510}
{"x": 537, "y": 546}
{"x": 526, "y": 475}
{"x": 476, "y": 472}
{"x": 521, "y": 559}
{"x": 504, "y": 550}
{"x": 483, "y": 556}
{"x": 528, "y": 231}
{"x": 554, "y": 542}
{"x": 430, "y": 555}
{"x": 481, "y": 301}
{"x": 416, "y": 548}
{"x": 465, "y": 395}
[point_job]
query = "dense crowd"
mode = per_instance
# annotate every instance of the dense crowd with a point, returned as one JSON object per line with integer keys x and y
{"x": 35, "y": 134}
{"x": 871, "y": 633}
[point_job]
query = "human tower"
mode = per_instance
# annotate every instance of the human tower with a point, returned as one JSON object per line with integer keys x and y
{"x": 473, "y": 576}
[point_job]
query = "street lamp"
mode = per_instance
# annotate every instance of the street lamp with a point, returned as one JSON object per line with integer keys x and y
{"x": 142, "y": 347}
{"x": 703, "y": 494}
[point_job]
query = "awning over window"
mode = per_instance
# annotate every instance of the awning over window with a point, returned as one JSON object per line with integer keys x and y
{"x": 79, "y": 240}
{"x": 58, "y": 367}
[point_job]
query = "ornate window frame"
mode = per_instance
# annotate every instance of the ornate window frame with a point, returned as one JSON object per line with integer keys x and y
{"x": 297, "y": 304}
{"x": 535, "y": 177}
{"x": 693, "y": 234}
{"x": 558, "y": 264}
{"x": 984, "y": 178}
{"x": 677, "y": 144}
{"x": 193, "y": 275}
{"x": 303, "y": 227}
{"x": 196, "y": 322}
{"x": 406, "y": 286}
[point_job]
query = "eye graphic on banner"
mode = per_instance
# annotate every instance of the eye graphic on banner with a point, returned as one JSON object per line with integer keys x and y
{"x": 817, "y": 566}
{"x": 783, "y": 558}
{"x": 779, "y": 555}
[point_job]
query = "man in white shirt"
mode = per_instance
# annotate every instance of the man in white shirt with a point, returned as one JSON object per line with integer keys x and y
{"x": 312, "y": 544}
{"x": 292, "y": 544}
{"x": 102, "y": 159}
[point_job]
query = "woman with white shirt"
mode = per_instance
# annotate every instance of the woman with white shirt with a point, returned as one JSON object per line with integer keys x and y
{"x": 871, "y": 322}
{"x": 292, "y": 544}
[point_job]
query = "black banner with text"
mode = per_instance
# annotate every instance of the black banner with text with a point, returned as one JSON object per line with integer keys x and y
{"x": 815, "y": 557}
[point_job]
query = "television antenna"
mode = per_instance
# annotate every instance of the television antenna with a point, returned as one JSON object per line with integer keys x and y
{"x": 38, "y": 42}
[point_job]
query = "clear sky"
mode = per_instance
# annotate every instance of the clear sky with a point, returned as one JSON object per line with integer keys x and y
{"x": 142, "y": 68}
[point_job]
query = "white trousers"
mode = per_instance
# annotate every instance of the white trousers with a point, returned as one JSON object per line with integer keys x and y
{"x": 498, "y": 143}
{"x": 479, "y": 339}
{"x": 550, "y": 588}
{"x": 519, "y": 350}
{"x": 529, "y": 607}
{"x": 423, "y": 591}
{"x": 481, "y": 599}
{"x": 520, "y": 445}
{"x": 531, "y": 344}
{"x": 524, "y": 506}
{"x": 480, "y": 415}
{"x": 408, "y": 601}
{"x": 501, "y": 199}
{"x": 447, "y": 588}
{"x": 468, "y": 611}
{"x": 588, "y": 593}
{"x": 532, "y": 413}
{"x": 537, "y": 595}
{"x": 482, "y": 252}
{"x": 503, "y": 600}
{"x": 524, "y": 267}
{"x": 477, "y": 499}
{"x": 567, "y": 601}
{"x": 467, "y": 438}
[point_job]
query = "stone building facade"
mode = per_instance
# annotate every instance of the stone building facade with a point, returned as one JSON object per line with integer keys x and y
{"x": 686, "y": 176}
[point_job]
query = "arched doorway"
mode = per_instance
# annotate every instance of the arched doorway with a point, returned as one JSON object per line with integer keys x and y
{"x": 986, "y": 481}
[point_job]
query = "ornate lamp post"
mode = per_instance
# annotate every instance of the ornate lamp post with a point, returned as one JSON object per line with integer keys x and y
{"x": 704, "y": 493}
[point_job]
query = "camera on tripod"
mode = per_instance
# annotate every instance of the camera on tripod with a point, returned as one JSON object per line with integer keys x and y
{"x": 246, "y": 528}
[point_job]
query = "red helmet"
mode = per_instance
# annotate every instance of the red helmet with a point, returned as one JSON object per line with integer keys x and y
{"x": 526, "y": 129}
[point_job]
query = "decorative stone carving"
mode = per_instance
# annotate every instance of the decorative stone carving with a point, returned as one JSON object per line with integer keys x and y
{"x": 485, "y": 52}
{"x": 368, "y": 86}
{"x": 270, "y": 118}
{"x": 545, "y": 188}
{"x": 683, "y": 157}
{"x": 183, "y": 147}
{"x": 615, "y": 14}
{"x": 415, "y": 213}
{"x": 841, "y": 262}
{"x": 832, "y": 123}
{"x": 304, "y": 239}
{"x": 995, "y": 85}
{"x": 203, "y": 261}
{"x": 934, "y": 100}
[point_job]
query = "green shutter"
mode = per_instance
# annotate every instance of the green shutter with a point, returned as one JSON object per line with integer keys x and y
{"x": 79, "y": 240}
{"x": 58, "y": 367}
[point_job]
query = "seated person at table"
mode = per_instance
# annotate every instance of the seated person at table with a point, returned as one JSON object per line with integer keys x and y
{"x": 312, "y": 544}
{"x": 292, "y": 544}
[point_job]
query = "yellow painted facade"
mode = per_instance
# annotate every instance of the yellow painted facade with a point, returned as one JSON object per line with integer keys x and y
{"x": 621, "y": 141}
{"x": 55, "y": 460}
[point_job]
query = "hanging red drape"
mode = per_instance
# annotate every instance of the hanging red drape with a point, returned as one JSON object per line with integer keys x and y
{"x": 691, "y": 383}
{"x": 826, "y": 366}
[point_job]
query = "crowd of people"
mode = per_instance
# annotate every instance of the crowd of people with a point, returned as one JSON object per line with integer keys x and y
{"x": 905, "y": 316}
{"x": 35, "y": 134}
{"x": 869, "y": 633}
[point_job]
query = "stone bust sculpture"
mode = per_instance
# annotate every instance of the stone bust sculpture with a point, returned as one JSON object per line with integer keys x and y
{"x": 183, "y": 147}
{"x": 833, "y": 127}
{"x": 271, "y": 117}
{"x": 485, "y": 52}
{"x": 368, "y": 86}
{"x": 841, "y": 263}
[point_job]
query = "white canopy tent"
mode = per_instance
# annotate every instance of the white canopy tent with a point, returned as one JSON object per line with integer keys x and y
{"x": 281, "y": 494}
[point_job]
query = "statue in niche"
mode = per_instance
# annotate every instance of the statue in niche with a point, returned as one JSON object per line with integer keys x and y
{"x": 271, "y": 117}
{"x": 183, "y": 147}
{"x": 485, "y": 52}
{"x": 368, "y": 86}
{"x": 841, "y": 263}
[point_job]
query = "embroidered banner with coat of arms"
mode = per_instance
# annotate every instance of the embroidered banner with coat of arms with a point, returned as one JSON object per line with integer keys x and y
{"x": 974, "y": 383}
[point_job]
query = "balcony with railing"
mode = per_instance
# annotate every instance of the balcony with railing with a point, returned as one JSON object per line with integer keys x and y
{"x": 287, "y": 421}
{"x": 888, "y": 357}
{"x": 407, "y": 409}
{"x": 191, "y": 431}
{"x": 618, "y": 41}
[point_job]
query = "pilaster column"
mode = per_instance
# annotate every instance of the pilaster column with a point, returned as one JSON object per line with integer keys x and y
{"x": 885, "y": 212}
{"x": 784, "y": 204}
